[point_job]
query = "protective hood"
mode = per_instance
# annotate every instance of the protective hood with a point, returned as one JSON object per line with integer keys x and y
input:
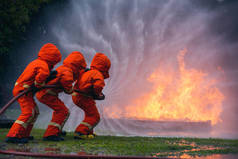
{"x": 50, "y": 53}
{"x": 75, "y": 61}
{"x": 102, "y": 63}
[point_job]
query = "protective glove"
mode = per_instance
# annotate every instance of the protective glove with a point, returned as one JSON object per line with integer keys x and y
{"x": 86, "y": 69}
{"x": 34, "y": 89}
{"x": 52, "y": 76}
{"x": 69, "y": 91}
{"x": 99, "y": 97}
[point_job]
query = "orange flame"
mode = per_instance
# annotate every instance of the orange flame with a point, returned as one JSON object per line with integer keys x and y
{"x": 187, "y": 95}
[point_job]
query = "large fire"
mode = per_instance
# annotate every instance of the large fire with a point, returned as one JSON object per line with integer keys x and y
{"x": 184, "y": 95}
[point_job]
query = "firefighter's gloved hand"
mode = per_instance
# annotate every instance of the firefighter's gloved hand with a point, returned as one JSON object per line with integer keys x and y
{"x": 86, "y": 69}
{"x": 99, "y": 97}
{"x": 52, "y": 76}
{"x": 70, "y": 91}
{"x": 34, "y": 89}
{"x": 39, "y": 85}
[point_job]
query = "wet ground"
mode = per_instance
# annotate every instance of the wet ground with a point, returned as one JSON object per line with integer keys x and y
{"x": 126, "y": 146}
{"x": 191, "y": 151}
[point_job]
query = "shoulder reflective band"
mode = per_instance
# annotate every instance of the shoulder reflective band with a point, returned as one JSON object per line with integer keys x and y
{"x": 26, "y": 86}
{"x": 39, "y": 84}
{"x": 21, "y": 123}
{"x": 55, "y": 124}
{"x": 87, "y": 124}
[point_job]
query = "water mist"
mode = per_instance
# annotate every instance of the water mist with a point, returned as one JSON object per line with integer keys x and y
{"x": 141, "y": 37}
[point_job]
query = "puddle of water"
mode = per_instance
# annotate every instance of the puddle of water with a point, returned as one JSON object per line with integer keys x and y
{"x": 192, "y": 147}
{"x": 184, "y": 153}
{"x": 52, "y": 150}
{"x": 214, "y": 156}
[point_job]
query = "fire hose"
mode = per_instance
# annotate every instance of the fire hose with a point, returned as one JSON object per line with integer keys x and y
{"x": 46, "y": 155}
{"x": 4, "y": 108}
{"x": 30, "y": 154}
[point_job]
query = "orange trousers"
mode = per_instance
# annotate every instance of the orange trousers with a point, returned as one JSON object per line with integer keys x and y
{"x": 60, "y": 113}
{"x": 29, "y": 112}
{"x": 91, "y": 118}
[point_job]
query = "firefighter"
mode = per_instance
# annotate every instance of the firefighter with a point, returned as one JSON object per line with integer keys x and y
{"x": 34, "y": 75}
{"x": 66, "y": 75}
{"x": 91, "y": 82}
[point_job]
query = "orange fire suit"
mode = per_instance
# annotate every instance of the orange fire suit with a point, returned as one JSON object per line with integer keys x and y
{"x": 66, "y": 75}
{"x": 34, "y": 74}
{"x": 91, "y": 82}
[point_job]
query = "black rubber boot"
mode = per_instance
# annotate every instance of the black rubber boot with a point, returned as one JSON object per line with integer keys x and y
{"x": 30, "y": 138}
{"x": 63, "y": 133}
{"x": 53, "y": 138}
{"x": 16, "y": 140}
{"x": 79, "y": 135}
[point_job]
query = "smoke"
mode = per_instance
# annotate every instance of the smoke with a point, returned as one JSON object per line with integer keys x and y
{"x": 140, "y": 36}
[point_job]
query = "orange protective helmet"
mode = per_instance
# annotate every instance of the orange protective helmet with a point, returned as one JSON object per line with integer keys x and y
{"x": 50, "y": 53}
{"x": 102, "y": 63}
{"x": 75, "y": 61}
